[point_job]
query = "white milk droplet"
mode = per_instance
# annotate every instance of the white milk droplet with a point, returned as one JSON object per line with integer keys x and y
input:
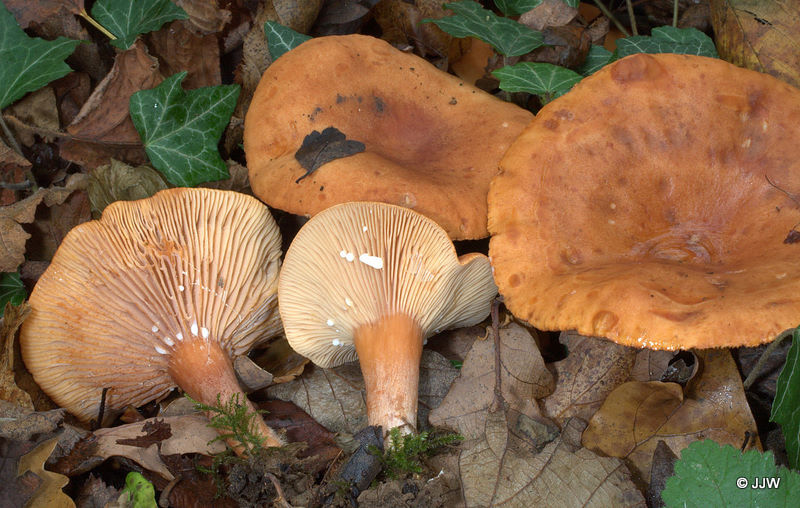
{"x": 154, "y": 328}
{"x": 329, "y": 322}
{"x": 194, "y": 328}
{"x": 160, "y": 350}
{"x": 168, "y": 341}
{"x": 349, "y": 302}
{"x": 373, "y": 261}
{"x": 179, "y": 336}
{"x": 336, "y": 342}
{"x": 204, "y": 332}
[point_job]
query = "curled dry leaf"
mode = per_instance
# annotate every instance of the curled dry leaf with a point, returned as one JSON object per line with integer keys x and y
{"x": 548, "y": 13}
{"x": 593, "y": 368}
{"x": 9, "y": 358}
{"x": 35, "y": 114}
{"x": 401, "y": 25}
{"x": 650, "y": 364}
{"x": 336, "y": 399}
{"x": 763, "y": 36}
{"x": 103, "y": 127}
{"x": 637, "y": 414}
{"x": 13, "y": 169}
{"x": 13, "y": 236}
{"x": 118, "y": 181}
{"x": 205, "y": 15}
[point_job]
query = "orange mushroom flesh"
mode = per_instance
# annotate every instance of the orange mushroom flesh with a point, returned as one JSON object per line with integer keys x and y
{"x": 159, "y": 292}
{"x": 431, "y": 142}
{"x": 372, "y": 281}
{"x": 654, "y": 205}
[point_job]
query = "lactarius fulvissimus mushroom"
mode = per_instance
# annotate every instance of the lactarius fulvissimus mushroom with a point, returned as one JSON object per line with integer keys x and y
{"x": 372, "y": 281}
{"x": 656, "y": 204}
{"x": 389, "y": 126}
{"x": 159, "y": 292}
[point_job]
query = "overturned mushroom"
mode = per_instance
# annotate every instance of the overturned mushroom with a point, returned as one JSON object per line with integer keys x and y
{"x": 350, "y": 118}
{"x": 654, "y": 205}
{"x": 372, "y": 281}
{"x": 159, "y": 292}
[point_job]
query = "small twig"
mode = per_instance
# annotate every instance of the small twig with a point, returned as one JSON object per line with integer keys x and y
{"x": 27, "y": 184}
{"x": 497, "y": 403}
{"x": 613, "y": 19}
{"x": 97, "y": 25}
{"x": 756, "y": 370}
{"x": 747, "y": 437}
{"x": 163, "y": 499}
{"x": 632, "y": 17}
{"x": 281, "y": 499}
{"x": 101, "y": 410}
{"x": 675, "y": 14}
{"x": 10, "y": 136}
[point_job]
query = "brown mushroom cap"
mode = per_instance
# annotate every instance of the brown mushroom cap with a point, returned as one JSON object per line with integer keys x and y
{"x": 650, "y": 205}
{"x": 155, "y": 290}
{"x": 374, "y": 280}
{"x": 432, "y": 142}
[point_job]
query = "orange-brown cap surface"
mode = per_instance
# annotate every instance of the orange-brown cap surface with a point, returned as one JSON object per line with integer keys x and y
{"x": 177, "y": 272}
{"x": 431, "y": 141}
{"x": 653, "y": 205}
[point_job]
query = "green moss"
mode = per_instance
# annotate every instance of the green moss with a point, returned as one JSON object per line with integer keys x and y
{"x": 405, "y": 451}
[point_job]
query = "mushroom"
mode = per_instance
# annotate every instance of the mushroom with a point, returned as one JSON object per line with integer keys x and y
{"x": 159, "y": 292}
{"x": 655, "y": 205}
{"x": 429, "y": 141}
{"x": 373, "y": 281}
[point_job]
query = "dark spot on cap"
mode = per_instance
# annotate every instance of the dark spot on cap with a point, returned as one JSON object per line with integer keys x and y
{"x": 340, "y": 98}
{"x": 379, "y": 104}
{"x": 551, "y": 124}
{"x": 321, "y": 188}
{"x": 453, "y": 101}
{"x": 514, "y": 280}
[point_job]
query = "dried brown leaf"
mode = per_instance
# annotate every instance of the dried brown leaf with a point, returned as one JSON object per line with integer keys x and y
{"x": 548, "y": 13}
{"x": 9, "y": 358}
{"x": 523, "y": 378}
{"x": 205, "y": 15}
{"x": 103, "y": 128}
{"x": 650, "y": 365}
{"x": 35, "y": 113}
{"x": 49, "y": 493}
{"x": 179, "y": 48}
{"x": 13, "y": 170}
{"x": 118, "y": 181}
{"x": 593, "y": 368}
{"x": 763, "y": 36}
{"x": 637, "y": 414}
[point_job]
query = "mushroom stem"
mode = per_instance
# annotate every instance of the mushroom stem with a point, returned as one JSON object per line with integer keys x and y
{"x": 204, "y": 370}
{"x": 389, "y": 352}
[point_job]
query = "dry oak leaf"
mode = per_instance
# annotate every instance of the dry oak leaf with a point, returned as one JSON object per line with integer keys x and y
{"x": 49, "y": 493}
{"x": 103, "y": 128}
{"x": 35, "y": 113}
{"x": 337, "y": 400}
{"x": 205, "y": 15}
{"x": 12, "y": 236}
{"x": 763, "y": 36}
{"x": 13, "y": 170}
{"x": 179, "y": 48}
{"x": 593, "y": 368}
{"x": 189, "y": 434}
{"x": 118, "y": 181}
{"x": 637, "y": 415}
{"x": 650, "y": 364}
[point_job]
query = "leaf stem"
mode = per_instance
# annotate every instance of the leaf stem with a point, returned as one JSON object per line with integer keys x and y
{"x": 759, "y": 366}
{"x": 613, "y": 19}
{"x": 97, "y": 25}
{"x": 632, "y": 17}
{"x": 10, "y": 136}
{"x": 675, "y": 14}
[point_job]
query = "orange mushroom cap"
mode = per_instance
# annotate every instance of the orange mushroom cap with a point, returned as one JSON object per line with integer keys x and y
{"x": 431, "y": 142}
{"x": 653, "y": 205}
{"x": 159, "y": 292}
{"x": 372, "y": 281}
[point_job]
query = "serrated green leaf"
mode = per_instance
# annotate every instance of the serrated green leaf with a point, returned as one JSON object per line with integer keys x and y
{"x": 181, "y": 129}
{"x": 28, "y": 63}
{"x": 708, "y": 474}
{"x": 141, "y": 493}
{"x": 668, "y": 39}
{"x": 786, "y": 406}
{"x": 597, "y": 58}
{"x": 505, "y": 35}
{"x": 127, "y": 19}
{"x": 543, "y": 79}
{"x": 282, "y": 38}
{"x": 11, "y": 290}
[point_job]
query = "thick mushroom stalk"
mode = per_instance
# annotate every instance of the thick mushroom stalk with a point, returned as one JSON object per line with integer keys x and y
{"x": 158, "y": 293}
{"x": 389, "y": 353}
{"x": 372, "y": 281}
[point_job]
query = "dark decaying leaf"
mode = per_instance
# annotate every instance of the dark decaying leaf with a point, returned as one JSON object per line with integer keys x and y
{"x": 155, "y": 432}
{"x": 663, "y": 467}
{"x": 786, "y": 407}
{"x": 319, "y": 148}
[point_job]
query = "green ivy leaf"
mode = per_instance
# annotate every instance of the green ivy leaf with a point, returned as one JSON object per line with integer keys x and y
{"x": 282, "y": 38}
{"x": 11, "y": 290}
{"x": 181, "y": 129}
{"x": 127, "y": 19}
{"x": 786, "y": 406}
{"x": 546, "y": 80}
{"x": 516, "y": 7}
{"x": 598, "y": 57}
{"x": 28, "y": 63}
{"x": 668, "y": 39}
{"x": 506, "y": 35}
{"x": 708, "y": 474}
